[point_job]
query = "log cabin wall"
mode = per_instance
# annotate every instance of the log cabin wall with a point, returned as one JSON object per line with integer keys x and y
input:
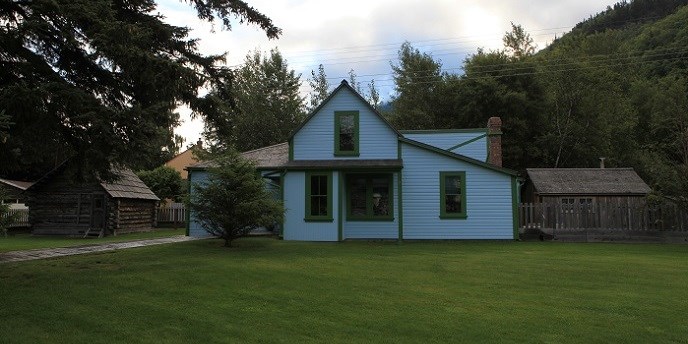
{"x": 62, "y": 208}
{"x": 133, "y": 215}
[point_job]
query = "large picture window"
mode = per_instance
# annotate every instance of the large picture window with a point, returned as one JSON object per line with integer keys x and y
{"x": 318, "y": 196}
{"x": 453, "y": 195}
{"x": 370, "y": 197}
{"x": 346, "y": 133}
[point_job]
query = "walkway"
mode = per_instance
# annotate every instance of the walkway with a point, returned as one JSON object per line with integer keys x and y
{"x": 18, "y": 256}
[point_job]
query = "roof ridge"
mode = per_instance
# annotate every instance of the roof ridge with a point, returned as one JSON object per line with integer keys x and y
{"x": 266, "y": 147}
{"x": 17, "y": 183}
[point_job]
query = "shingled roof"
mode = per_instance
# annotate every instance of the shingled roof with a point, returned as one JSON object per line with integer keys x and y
{"x": 275, "y": 156}
{"x": 21, "y": 185}
{"x": 587, "y": 181}
{"x": 129, "y": 185}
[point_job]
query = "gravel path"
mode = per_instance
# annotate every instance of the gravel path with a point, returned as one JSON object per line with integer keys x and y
{"x": 18, "y": 256}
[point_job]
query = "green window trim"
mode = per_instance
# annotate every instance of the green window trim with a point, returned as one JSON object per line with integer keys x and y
{"x": 443, "y": 206}
{"x": 369, "y": 216}
{"x": 337, "y": 131}
{"x": 315, "y": 218}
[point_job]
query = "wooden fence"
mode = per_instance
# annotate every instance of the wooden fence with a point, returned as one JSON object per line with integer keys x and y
{"x": 604, "y": 220}
{"x": 22, "y": 217}
{"x": 172, "y": 213}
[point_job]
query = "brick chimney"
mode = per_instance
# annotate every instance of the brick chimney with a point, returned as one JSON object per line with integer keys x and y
{"x": 199, "y": 144}
{"x": 494, "y": 140}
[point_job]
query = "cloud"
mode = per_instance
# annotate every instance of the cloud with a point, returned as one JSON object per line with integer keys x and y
{"x": 365, "y": 35}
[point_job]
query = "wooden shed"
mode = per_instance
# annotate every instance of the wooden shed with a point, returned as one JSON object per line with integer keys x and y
{"x": 584, "y": 186}
{"x": 14, "y": 191}
{"x": 59, "y": 206}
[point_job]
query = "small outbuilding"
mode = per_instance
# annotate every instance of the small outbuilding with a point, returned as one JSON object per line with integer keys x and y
{"x": 60, "y": 206}
{"x": 14, "y": 192}
{"x": 585, "y": 186}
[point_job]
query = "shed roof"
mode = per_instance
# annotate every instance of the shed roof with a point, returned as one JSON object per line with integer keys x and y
{"x": 16, "y": 183}
{"x": 129, "y": 185}
{"x": 588, "y": 181}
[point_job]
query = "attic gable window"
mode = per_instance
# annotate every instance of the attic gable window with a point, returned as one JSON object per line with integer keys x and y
{"x": 346, "y": 133}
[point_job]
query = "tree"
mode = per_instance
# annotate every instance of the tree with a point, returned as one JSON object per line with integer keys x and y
{"x": 5, "y": 124}
{"x": 268, "y": 103}
{"x": 164, "y": 181}
{"x": 234, "y": 200}
{"x": 99, "y": 80}
{"x": 518, "y": 42}
{"x": 319, "y": 88}
{"x": 416, "y": 78}
{"x": 353, "y": 82}
{"x": 373, "y": 95}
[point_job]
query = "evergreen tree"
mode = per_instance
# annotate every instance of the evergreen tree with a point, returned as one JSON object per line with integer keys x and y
{"x": 234, "y": 200}
{"x": 99, "y": 80}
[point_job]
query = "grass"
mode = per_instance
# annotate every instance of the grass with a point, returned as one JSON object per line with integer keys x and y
{"x": 271, "y": 291}
{"x": 25, "y": 241}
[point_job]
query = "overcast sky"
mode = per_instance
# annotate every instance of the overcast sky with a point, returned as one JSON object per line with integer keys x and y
{"x": 365, "y": 35}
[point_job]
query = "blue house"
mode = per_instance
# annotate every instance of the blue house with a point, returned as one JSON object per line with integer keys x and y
{"x": 346, "y": 173}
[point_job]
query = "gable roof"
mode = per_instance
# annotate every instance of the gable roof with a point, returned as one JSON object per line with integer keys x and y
{"x": 343, "y": 85}
{"x": 275, "y": 156}
{"x": 129, "y": 185}
{"x": 579, "y": 181}
{"x": 459, "y": 157}
{"x": 16, "y": 183}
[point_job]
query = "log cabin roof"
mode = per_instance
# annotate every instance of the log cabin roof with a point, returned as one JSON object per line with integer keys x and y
{"x": 588, "y": 181}
{"x": 16, "y": 184}
{"x": 129, "y": 185}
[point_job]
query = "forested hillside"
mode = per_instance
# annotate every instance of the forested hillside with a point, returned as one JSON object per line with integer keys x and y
{"x": 616, "y": 86}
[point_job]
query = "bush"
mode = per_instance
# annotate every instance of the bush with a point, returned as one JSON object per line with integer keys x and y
{"x": 234, "y": 200}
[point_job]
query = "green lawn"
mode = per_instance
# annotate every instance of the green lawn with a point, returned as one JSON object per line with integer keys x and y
{"x": 265, "y": 290}
{"x": 25, "y": 241}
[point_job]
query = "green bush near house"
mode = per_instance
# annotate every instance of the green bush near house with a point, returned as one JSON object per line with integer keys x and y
{"x": 270, "y": 291}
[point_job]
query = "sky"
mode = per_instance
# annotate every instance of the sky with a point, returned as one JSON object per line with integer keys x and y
{"x": 366, "y": 35}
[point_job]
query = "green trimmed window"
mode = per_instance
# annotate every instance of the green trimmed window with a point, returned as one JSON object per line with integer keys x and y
{"x": 346, "y": 133}
{"x": 318, "y": 196}
{"x": 370, "y": 197}
{"x": 453, "y": 195}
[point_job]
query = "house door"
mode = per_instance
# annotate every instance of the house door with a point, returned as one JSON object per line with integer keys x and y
{"x": 98, "y": 211}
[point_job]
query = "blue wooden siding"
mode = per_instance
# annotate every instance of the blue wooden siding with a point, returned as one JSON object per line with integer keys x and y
{"x": 195, "y": 228}
{"x": 295, "y": 227}
{"x": 488, "y": 198}
{"x": 372, "y": 229}
{"x": 445, "y": 140}
{"x": 315, "y": 140}
{"x": 476, "y": 150}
